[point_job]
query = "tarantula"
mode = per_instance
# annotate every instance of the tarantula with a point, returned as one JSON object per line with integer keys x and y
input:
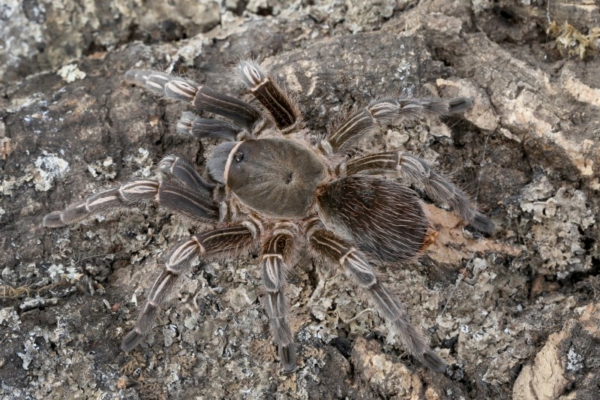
{"x": 273, "y": 184}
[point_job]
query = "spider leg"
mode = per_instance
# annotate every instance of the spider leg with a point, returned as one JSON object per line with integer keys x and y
{"x": 184, "y": 172}
{"x": 389, "y": 111}
{"x": 281, "y": 106}
{"x": 191, "y": 124}
{"x": 203, "y": 99}
{"x": 358, "y": 267}
{"x": 275, "y": 258}
{"x": 194, "y": 204}
{"x": 419, "y": 172}
{"x": 206, "y": 245}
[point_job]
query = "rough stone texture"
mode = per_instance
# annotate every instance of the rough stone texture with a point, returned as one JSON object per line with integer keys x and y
{"x": 562, "y": 361}
{"x": 515, "y": 315}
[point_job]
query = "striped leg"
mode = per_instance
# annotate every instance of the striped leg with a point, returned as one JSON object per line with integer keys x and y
{"x": 185, "y": 173}
{"x": 356, "y": 265}
{"x": 274, "y": 263}
{"x": 420, "y": 173}
{"x": 191, "y": 124}
{"x": 228, "y": 241}
{"x": 202, "y": 97}
{"x": 194, "y": 204}
{"x": 388, "y": 111}
{"x": 283, "y": 108}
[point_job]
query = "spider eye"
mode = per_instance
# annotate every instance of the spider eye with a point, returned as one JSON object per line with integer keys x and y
{"x": 238, "y": 156}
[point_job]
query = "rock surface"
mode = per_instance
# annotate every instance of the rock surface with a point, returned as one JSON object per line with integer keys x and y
{"x": 514, "y": 315}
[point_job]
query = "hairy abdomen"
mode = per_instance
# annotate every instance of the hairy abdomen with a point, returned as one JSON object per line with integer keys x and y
{"x": 384, "y": 218}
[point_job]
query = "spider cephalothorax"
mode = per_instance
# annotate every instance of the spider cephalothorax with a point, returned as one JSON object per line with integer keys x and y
{"x": 268, "y": 186}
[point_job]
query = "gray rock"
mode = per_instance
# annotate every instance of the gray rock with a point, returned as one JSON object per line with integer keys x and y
{"x": 494, "y": 308}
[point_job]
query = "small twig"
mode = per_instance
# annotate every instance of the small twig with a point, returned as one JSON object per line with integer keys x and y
{"x": 461, "y": 277}
{"x": 356, "y": 316}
